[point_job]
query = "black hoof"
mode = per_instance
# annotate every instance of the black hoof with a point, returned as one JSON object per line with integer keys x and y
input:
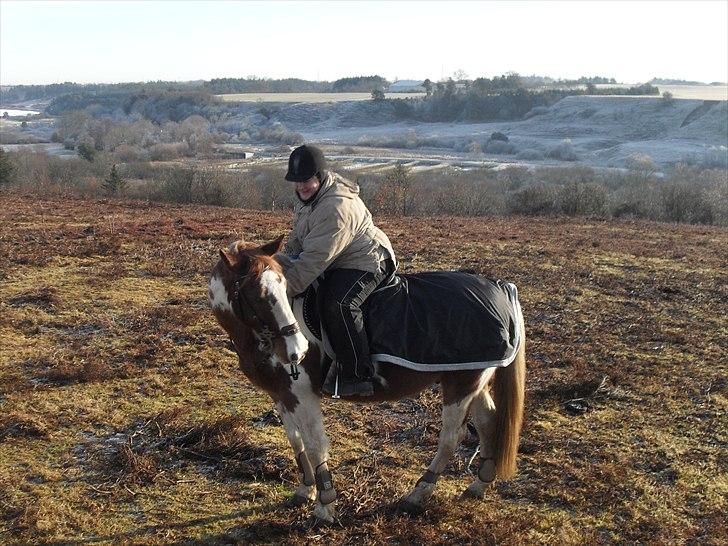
{"x": 318, "y": 523}
{"x": 468, "y": 494}
{"x": 410, "y": 507}
{"x": 296, "y": 500}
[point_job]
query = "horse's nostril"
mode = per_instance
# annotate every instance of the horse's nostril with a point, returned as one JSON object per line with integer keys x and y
{"x": 294, "y": 357}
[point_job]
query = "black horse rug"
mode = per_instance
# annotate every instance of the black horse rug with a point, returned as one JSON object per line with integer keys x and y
{"x": 434, "y": 321}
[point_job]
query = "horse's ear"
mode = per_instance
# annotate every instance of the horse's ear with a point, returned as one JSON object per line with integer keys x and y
{"x": 273, "y": 247}
{"x": 230, "y": 259}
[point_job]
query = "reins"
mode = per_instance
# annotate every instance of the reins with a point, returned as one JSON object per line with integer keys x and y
{"x": 265, "y": 334}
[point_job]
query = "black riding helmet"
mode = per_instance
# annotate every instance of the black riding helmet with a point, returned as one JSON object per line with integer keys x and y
{"x": 305, "y": 162}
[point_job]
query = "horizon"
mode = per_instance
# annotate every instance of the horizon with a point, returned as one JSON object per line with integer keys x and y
{"x": 43, "y": 43}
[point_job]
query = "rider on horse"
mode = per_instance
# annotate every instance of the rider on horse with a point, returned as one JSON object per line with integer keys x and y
{"x": 334, "y": 236}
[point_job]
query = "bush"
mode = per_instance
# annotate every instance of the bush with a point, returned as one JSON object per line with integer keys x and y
{"x": 6, "y": 168}
{"x": 86, "y": 151}
{"x": 685, "y": 203}
{"x": 537, "y": 200}
{"x": 583, "y": 199}
{"x": 499, "y": 136}
{"x": 500, "y": 147}
{"x": 168, "y": 152}
{"x": 530, "y": 154}
{"x": 563, "y": 151}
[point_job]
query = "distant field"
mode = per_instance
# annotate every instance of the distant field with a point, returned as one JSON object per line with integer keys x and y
{"x": 309, "y": 97}
{"x": 698, "y": 92}
{"x": 124, "y": 418}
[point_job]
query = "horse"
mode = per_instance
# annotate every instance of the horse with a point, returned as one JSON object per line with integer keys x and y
{"x": 247, "y": 294}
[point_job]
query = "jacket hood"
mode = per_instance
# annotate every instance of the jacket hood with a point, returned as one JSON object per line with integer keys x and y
{"x": 336, "y": 185}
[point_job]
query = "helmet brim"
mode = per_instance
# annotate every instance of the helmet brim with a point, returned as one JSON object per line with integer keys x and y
{"x": 298, "y": 178}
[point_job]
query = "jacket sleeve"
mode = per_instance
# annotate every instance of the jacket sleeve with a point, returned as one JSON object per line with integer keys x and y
{"x": 328, "y": 238}
{"x": 293, "y": 246}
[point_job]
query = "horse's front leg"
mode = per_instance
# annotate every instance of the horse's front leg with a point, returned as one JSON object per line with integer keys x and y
{"x": 306, "y": 490}
{"x": 303, "y": 410}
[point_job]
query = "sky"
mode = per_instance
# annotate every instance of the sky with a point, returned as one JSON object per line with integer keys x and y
{"x": 88, "y": 41}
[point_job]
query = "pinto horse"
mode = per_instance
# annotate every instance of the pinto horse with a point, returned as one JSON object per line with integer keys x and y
{"x": 247, "y": 294}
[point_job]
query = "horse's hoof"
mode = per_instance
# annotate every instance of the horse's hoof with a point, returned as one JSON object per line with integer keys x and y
{"x": 472, "y": 494}
{"x": 315, "y": 522}
{"x": 296, "y": 500}
{"x": 409, "y": 507}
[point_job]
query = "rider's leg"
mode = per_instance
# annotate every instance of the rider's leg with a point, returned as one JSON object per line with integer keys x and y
{"x": 345, "y": 290}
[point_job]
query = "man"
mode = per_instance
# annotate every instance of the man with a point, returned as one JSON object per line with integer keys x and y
{"x": 333, "y": 235}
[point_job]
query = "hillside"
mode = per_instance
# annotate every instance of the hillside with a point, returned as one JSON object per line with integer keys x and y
{"x": 123, "y": 417}
{"x": 603, "y": 131}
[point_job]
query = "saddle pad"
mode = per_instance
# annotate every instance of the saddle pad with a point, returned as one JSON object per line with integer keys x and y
{"x": 435, "y": 321}
{"x": 444, "y": 321}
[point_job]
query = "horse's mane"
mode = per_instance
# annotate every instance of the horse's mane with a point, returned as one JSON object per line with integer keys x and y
{"x": 261, "y": 262}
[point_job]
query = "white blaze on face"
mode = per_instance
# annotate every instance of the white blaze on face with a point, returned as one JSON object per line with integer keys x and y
{"x": 275, "y": 285}
{"x": 218, "y": 295}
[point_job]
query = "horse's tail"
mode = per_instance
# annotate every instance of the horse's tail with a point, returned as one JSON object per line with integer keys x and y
{"x": 509, "y": 391}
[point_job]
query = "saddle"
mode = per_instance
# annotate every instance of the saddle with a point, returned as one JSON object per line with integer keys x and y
{"x": 437, "y": 321}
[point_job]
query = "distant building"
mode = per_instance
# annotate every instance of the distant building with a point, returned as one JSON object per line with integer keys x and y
{"x": 236, "y": 151}
{"x": 406, "y": 86}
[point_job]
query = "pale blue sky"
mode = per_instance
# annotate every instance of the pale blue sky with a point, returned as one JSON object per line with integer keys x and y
{"x": 48, "y": 42}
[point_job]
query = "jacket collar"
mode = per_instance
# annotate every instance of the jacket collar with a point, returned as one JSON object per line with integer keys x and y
{"x": 326, "y": 185}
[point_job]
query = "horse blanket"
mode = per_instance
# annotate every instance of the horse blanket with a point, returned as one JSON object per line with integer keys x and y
{"x": 434, "y": 321}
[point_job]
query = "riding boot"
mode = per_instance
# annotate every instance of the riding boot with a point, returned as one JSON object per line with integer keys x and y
{"x": 341, "y": 384}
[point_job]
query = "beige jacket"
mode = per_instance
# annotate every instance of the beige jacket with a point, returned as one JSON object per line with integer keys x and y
{"x": 334, "y": 231}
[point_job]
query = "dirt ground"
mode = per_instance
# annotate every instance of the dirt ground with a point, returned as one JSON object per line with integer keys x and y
{"x": 123, "y": 418}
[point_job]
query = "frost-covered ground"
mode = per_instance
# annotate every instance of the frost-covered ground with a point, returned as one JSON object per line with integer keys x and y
{"x": 597, "y": 131}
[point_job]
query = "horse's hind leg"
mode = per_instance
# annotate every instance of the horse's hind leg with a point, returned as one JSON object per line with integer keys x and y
{"x": 306, "y": 491}
{"x": 483, "y": 411}
{"x": 458, "y": 391}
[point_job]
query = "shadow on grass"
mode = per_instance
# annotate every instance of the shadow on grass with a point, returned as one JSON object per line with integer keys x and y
{"x": 190, "y": 524}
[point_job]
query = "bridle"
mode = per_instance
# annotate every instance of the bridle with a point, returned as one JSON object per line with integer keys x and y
{"x": 265, "y": 334}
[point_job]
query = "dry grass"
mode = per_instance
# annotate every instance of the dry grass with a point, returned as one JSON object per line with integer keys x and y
{"x": 123, "y": 417}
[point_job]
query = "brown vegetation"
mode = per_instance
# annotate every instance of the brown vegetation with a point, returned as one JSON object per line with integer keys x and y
{"x": 123, "y": 417}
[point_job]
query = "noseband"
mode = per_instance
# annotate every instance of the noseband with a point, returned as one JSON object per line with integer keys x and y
{"x": 266, "y": 335}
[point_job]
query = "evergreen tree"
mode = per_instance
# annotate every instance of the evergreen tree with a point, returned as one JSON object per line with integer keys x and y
{"x": 114, "y": 184}
{"x": 6, "y": 168}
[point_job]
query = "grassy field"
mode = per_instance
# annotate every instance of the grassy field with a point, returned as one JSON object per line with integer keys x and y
{"x": 123, "y": 418}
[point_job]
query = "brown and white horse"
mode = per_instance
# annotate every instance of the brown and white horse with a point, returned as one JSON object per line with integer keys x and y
{"x": 247, "y": 293}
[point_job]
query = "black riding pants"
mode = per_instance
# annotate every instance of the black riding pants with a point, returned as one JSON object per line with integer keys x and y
{"x": 344, "y": 292}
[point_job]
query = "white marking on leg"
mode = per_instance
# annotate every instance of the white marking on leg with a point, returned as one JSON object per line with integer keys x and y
{"x": 306, "y": 474}
{"x": 218, "y": 295}
{"x": 308, "y": 420}
{"x": 274, "y": 284}
{"x": 453, "y": 416}
{"x": 483, "y": 412}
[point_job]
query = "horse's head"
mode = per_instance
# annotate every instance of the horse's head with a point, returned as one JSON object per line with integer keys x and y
{"x": 248, "y": 289}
